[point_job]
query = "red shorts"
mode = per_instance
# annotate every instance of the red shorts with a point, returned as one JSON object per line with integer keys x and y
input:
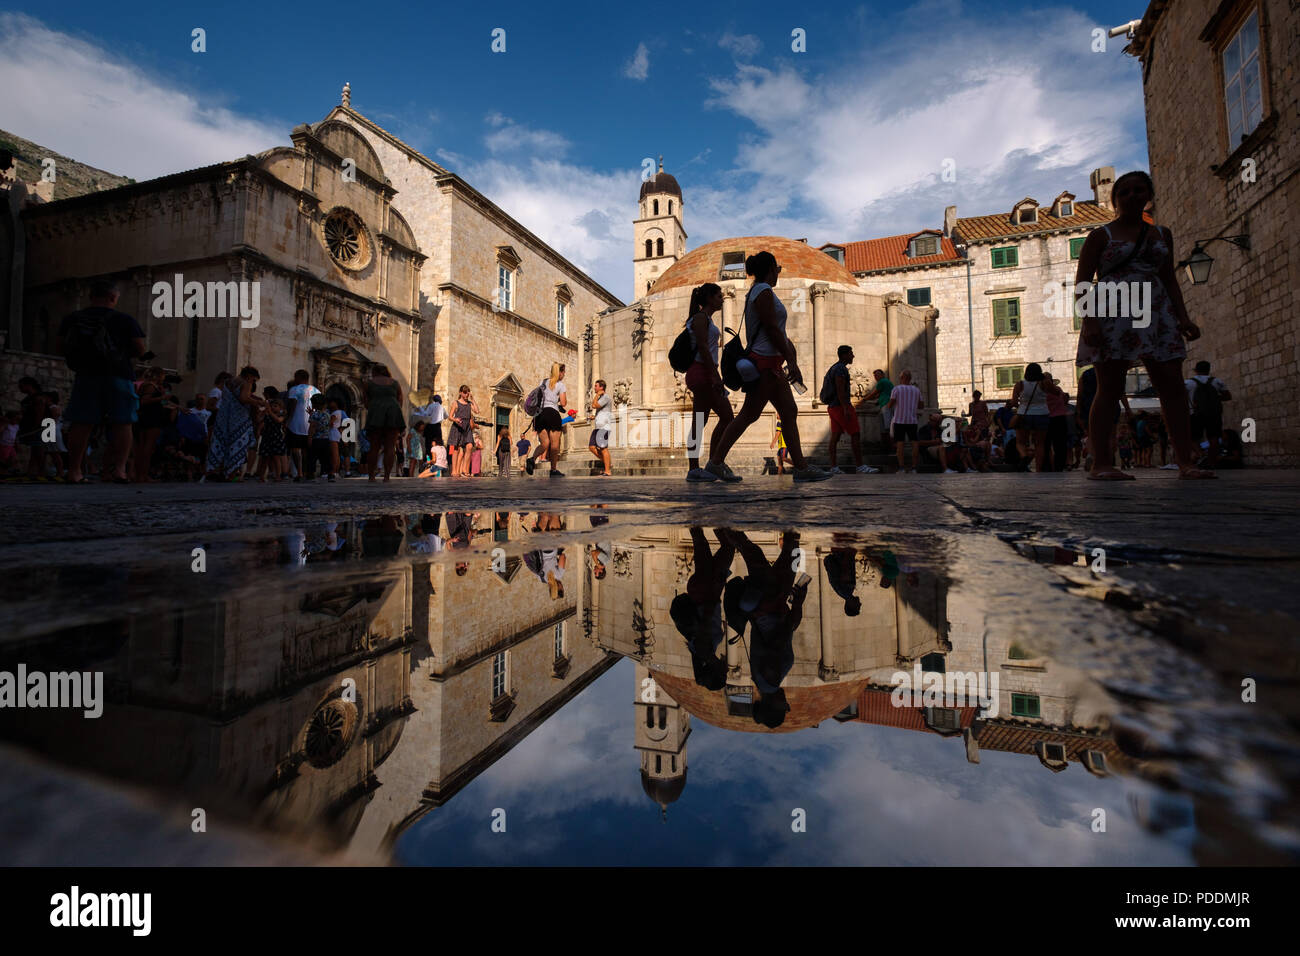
{"x": 844, "y": 418}
{"x": 763, "y": 362}
{"x": 699, "y": 377}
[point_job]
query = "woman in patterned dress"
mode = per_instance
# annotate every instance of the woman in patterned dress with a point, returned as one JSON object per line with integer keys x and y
{"x": 232, "y": 433}
{"x": 1114, "y": 344}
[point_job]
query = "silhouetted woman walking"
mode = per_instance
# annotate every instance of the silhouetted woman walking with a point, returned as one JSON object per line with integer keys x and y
{"x": 769, "y": 349}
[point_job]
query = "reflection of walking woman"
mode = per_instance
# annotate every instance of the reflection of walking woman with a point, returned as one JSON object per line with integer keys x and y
{"x": 547, "y": 424}
{"x": 708, "y": 394}
{"x": 384, "y": 421}
{"x": 769, "y": 349}
{"x": 1130, "y": 250}
{"x": 698, "y": 612}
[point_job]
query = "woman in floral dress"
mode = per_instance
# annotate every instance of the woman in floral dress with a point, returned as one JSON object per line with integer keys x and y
{"x": 232, "y": 433}
{"x": 1154, "y": 338}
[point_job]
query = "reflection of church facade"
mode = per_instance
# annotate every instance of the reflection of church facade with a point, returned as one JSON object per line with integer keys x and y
{"x": 363, "y": 249}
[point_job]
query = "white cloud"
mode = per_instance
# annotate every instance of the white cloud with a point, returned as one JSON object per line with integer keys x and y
{"x": 745, "y": 46}
{"x": 80, "y": 100}
{"x": 638, "y": 68}
{"x": 510, "y": 136}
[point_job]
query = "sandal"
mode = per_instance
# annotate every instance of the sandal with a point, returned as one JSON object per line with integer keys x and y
{"x": 1111, "y": 474}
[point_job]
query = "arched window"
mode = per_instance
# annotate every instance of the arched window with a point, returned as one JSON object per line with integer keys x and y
{"x": 649, "y": 716}
{"x": 659, "y": 244}
{"x": 663, "y": 717}
{"x": 659, "y": 764}
{"x": 649, "y": 248}
{"x": 670, "y": 207}
{"x": 656, "y": 207}
{"x": 674, "y": 763}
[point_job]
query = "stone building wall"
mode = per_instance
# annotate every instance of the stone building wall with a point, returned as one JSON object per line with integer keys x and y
{"x": 1247, "y": 309}
{"x": 1044, "y": 261}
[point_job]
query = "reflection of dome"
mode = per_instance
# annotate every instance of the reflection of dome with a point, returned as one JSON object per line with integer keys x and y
{"x": 661, "y": 182}
{"x": 798, "y": 260}
{"x": 663, "y": 792}
{"x": 808, "y": 705}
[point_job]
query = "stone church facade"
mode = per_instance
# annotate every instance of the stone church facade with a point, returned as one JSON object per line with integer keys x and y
{"x": 499, "y": 304}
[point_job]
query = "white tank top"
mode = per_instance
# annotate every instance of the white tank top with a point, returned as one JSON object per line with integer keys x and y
{"x": 714, "y": 335}
{"x": 755, "y": 335}
{"x": 1033, "y": 400}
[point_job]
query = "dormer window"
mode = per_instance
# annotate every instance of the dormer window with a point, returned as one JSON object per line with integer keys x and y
{"x": 835, "y": 252}
{"x": 1026, "y": 215}
{"x": 924, "y": 246}
{"x": 1066, "y": 208}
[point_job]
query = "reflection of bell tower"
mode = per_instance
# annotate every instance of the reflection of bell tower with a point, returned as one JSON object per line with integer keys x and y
{"x": 661, "y": 731}
{"x": 658, "y": 235}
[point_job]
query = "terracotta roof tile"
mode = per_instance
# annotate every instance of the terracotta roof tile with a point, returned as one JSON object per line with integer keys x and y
{"x": 1087, "y": 215}
{"x": 891, "y": 252}
{"x": 798, "y": 260}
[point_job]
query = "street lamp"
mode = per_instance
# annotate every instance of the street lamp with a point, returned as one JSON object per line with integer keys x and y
{"x": 964, "y": 251}
{"x": 1198, "y": 263}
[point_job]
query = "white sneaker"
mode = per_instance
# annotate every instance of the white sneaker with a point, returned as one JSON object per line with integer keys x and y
{"x": 867, "y": 470}
{"x": 950, "y": 471}
{"x": 700, "y": 474}
{"x": 1169, "y": 467}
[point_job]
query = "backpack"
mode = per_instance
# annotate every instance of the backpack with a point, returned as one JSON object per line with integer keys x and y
{"x": 732, "y": 353}
{"x": 1206, "y": 400}
{"x": 87, "y": 346}
{"x": 533, "y": 403}
{"x": 829, "y": 393}
{"x": 682, "y": 355}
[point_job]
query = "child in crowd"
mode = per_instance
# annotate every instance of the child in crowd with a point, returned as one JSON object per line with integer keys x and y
{"x": 318, "y": 435}
{"x": 9, "y": 443}
{"x": 335, "y": 434}
{"x": 415, "y": 454}
{"x": 274, "y": 447}
{"x": 1124, "y": 445}
{"x": 439, "y": 458}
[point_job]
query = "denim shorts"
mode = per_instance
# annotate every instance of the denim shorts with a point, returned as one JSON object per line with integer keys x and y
{"x": 98, "y": 397}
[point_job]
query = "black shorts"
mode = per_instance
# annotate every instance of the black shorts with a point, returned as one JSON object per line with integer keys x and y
{"x": 548, "y": 420}
{"x": 295, "y": 441}
{"x": 1205, "y": 426}
{"x": 904, "y": 432}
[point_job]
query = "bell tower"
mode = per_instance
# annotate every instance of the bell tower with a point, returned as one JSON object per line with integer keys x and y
{"x": 658, "y": 236}
{"x": 662, "y": 727}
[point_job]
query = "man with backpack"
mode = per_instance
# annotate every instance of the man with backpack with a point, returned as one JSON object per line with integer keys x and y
{"x": 1205, "y": 396}
{"x": 844, "y": 417}
{"x": 99, "y": 344}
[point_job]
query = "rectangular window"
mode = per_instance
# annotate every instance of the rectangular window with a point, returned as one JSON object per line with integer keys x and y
{"x": 1005, "y": 257}
{"x": 1076, "y": 246}
{"x": 561, "y": 317}
{"x": 559, "y": 640}
{"x": 918, "y": 296}
{"x": 505, "y": 288}
{"x": 1025, "y": 705}
{"x": 1008, "y": 375}
{"x": 733, "y": 265}
{"x": 1241, "y": 82}
{"x": 928, "y": 246}
{"x": 499, "y": 676}
{"x": 1136, "y": 382}
{"x": 1067, "y": 209}
{"x": 1006, "y": 317}
{"x": 1028, "y": 215}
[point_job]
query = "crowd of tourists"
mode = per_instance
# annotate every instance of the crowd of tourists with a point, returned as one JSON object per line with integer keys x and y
{"x": 241, "y": 429}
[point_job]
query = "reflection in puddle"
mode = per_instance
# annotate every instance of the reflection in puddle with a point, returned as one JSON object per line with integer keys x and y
{"x": 381, "y": 686}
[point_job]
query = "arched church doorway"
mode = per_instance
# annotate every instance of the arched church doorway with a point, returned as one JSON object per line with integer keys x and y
{"x": 343, "y": 395}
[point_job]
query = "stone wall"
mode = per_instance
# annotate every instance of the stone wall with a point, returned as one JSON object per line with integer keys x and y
{"x": 1044, "y": 262}
{"x": 1247, "y": 308}
{"x": 50, "y": 370}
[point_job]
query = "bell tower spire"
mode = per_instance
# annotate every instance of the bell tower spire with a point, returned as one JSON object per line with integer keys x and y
{"x": 658, "y": 234}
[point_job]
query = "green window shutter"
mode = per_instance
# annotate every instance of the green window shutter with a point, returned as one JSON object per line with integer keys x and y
{"x": 1006, "y": 317}
{"x": 1076, "y": 245}
{"x": 1005, "y": 257}
{"x": 1025, "y": 705}
{"x": 918, "y": 296}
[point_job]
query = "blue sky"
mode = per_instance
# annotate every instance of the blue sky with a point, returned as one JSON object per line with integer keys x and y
{"x": 844, "y": 141}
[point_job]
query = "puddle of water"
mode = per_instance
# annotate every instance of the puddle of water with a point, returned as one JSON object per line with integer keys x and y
{"x": 424, "y": 687}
